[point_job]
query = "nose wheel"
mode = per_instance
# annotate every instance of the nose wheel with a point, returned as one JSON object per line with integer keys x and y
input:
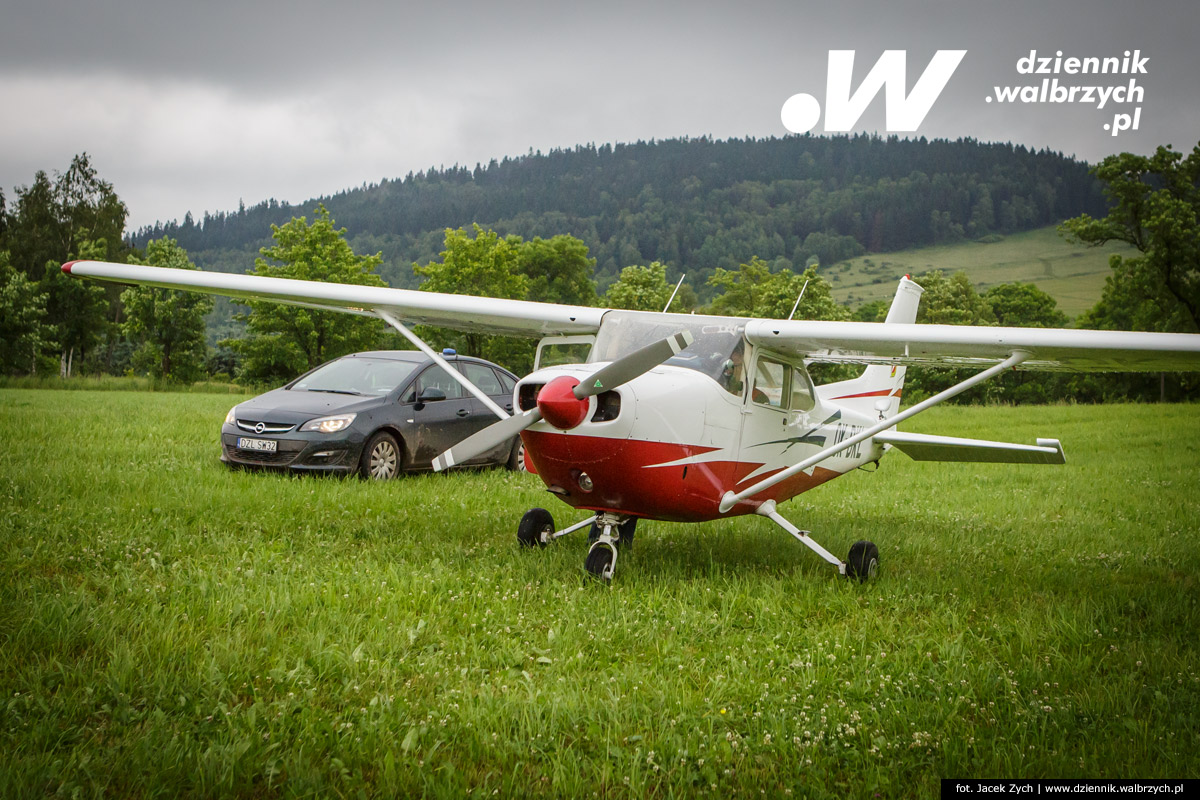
{"x": 610, "y": 534}
{"x": 601, "y": 561}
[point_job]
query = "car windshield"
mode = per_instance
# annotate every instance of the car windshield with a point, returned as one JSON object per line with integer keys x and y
{"x": 361, "y": 376}
{"x": 716, "y": 339}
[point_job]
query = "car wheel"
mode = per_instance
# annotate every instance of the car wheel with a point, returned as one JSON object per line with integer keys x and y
{"x": 381, "y": 458}
{"x": 516, "y": 459}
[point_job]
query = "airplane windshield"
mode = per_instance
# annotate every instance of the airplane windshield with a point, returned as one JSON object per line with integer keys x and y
{"x": 716, "y": 339}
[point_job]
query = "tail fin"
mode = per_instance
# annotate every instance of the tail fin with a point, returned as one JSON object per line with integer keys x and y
{"x": 878, "y": 381}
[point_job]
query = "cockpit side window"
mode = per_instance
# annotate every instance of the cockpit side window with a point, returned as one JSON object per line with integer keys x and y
{"x": 803, "y": 395}
{"x": 769, "y": 378}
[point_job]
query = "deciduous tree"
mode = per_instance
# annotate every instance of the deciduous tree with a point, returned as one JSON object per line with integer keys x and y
{"x": 77, "y": 215}
{"x": 23, "y": 331}
{"x": 1155, "y": 208}
{"x": 754, "y": 291}
{"x": 286, "y": 340}
{"x": 486, "y": 265}
{"x": 640, "y": 288}
{"x": 167, "y": 327}
{"x": 558, "y": 270}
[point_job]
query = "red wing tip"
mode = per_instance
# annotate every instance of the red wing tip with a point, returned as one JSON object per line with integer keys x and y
{"x": 67, "y": 266}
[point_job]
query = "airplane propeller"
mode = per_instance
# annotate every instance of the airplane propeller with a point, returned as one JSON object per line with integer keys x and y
{"x": 563, "y": 402}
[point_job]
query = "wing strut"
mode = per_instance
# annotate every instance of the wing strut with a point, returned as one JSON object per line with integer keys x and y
{"x": 443, "y": 363}
{"x": 730, "y": 499}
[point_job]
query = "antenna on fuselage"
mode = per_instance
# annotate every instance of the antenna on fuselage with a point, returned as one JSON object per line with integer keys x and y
{"x": 668, "y": 305}
{"x": 798, "y": 299}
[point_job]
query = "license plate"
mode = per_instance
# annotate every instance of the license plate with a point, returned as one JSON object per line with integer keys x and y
{"x": 263, "y": 445}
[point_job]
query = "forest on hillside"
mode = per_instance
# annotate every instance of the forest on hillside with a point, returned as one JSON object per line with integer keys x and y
{"x": 694, "y": 205}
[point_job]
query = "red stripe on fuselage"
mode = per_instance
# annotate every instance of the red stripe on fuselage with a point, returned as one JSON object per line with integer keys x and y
{"x": 876, "y": 393}
{"x": 626, "y": 480}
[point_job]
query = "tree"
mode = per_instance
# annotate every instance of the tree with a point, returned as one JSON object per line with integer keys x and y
{"x": 166, "y": 326}
{"x": 640, "y": 288}
{"x": 484, "y": 265}
{"x": 1155, "y": 208}
{"x": 1023, "y": 305}
{"x": 287, "y": 340}
{"x": 78, "y": 310}
{"x": 754, "y": 291}
{"x": 952, "y": 301}
{"x": 23, "y": 330}
{"x": 949, "y": 301}
{"x": 558, "y": 270}
{"x": 77, "y": 215}
{"x": 52, "y": 219}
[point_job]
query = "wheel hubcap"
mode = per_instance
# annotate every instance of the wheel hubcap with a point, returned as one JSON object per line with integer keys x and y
{"x": 383, "y": 460}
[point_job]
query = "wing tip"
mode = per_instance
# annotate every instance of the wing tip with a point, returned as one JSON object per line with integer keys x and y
{"x": 67, "y": 266}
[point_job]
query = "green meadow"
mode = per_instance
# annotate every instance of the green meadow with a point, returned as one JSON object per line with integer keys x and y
{"x": 169, "y": 628}
{"x": 1072, "y": 274}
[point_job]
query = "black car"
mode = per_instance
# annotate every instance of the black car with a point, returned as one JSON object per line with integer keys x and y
{"x": 377, "y": 413}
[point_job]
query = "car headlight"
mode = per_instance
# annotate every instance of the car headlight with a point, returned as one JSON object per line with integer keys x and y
{"x": 231, "y": 418}
{"x": 329, "y": 424}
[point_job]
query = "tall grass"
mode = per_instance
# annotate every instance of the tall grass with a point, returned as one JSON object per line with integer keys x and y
{"x": 171, "y": 628}
{"x": 123, "y": 383}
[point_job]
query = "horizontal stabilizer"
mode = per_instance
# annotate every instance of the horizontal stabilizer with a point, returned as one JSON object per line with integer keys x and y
{"x": 926, "y": 447}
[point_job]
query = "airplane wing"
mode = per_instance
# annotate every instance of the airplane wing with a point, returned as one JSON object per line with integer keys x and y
{"x": 824, "y": 341}
{"x": 461, "y": 312}
{"x": 1050, "y": 349}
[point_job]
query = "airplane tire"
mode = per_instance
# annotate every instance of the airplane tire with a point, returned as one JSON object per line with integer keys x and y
{"x": 599, "y": 559}
{"x": 534, "y": 523}
{"x": 863, "y": 561}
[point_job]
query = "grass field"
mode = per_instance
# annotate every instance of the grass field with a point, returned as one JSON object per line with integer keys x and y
{"x": 170, "y": 628}
{"x": 1072, "y": 274}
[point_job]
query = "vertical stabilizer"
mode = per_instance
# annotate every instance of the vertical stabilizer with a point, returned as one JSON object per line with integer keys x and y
{"x": 879, "y": 382}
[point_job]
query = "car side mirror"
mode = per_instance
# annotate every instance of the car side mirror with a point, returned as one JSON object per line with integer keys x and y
{"x": 431, "y": 395}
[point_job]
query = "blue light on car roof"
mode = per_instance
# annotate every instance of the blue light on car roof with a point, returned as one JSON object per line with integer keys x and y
{"x": 449, "y": 351}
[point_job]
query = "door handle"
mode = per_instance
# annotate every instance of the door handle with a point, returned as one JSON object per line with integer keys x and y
{"x": 462, "y": 412}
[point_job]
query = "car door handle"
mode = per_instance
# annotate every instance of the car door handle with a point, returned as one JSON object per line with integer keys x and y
{"x": 462, "y": 412}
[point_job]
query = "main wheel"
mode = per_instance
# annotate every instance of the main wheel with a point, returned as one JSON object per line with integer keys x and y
{"x": 863, "y": 561}
{"x": 600, "y": 561}
{"x": 381, "y": 458}
{"x": 626, "y": 529}
{"x": 534, "y": 523}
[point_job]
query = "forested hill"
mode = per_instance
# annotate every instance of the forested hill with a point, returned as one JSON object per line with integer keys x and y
{"x": 693, "y": 204}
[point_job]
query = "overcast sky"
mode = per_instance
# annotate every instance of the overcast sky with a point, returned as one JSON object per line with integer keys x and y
{"x": 197, "y": 106}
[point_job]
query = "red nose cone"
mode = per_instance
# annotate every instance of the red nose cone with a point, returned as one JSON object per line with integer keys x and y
{"x": 559, "y": 405}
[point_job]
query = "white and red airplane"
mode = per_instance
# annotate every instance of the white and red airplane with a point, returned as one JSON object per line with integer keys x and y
{"x": 692, "y": 418}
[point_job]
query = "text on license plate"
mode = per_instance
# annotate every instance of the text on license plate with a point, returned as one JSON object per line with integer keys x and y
{"x": 265, "y": 445}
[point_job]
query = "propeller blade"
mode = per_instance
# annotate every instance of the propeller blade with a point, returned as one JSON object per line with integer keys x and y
{"x": 486, "y": 439}
{"x": 636, "y": 363}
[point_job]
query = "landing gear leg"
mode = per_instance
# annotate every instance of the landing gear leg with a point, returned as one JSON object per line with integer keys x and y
{"x": 601, "y": 559}
{"x": 537, "y": 528}
{"x": 864, "y": 555}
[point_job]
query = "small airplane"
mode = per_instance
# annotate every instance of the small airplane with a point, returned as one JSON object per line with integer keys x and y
{"x": 692, "y": 418}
